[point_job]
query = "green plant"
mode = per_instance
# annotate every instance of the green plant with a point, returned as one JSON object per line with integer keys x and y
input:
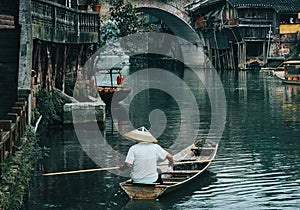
{"x": 125, "y": 17}
{"x": 17, "y": 170}
{"x": 50, "y": 104}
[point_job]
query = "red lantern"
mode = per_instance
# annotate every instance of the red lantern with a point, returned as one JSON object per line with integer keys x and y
{"x": 120, "y": 80}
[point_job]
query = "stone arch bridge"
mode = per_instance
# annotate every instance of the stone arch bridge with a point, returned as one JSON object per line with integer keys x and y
{"x": 173, "y": 14}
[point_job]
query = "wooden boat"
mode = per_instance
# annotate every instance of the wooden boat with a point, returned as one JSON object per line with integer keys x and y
{"x": 109, "y": 84}
{"x": 273, "y": 64}
{"x": 190, "y": 163}
{"x": 292, "y": 72}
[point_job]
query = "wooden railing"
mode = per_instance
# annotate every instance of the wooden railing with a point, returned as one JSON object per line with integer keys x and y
{"x": 57, "y": 23}
{"x": 12, "y": 128}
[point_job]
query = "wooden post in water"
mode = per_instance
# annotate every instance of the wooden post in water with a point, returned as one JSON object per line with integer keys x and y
{"x": 231, "y": 55}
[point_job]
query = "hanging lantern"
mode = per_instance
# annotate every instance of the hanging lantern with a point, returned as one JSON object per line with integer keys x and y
{"x": 120, "y": 79}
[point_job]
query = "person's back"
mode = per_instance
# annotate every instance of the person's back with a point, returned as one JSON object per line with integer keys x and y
{"x": 143, "y": 157}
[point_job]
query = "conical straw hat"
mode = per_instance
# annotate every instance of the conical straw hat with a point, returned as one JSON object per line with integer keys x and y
{"x": 141, "y": 135}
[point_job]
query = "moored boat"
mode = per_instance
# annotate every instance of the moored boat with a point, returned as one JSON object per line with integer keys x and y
{"x": 291, "y": 74}
{"x": 273, "y": 64}
{"x": 190, "y": 163}
{"x": 109, "y": 84}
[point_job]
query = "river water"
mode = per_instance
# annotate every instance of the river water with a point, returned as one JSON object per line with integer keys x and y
{"x": 257, "y": 164}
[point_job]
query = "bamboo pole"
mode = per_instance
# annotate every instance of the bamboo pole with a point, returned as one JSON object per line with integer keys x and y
{"x": 81, "y": 171}
{"x": 117, "y": 167}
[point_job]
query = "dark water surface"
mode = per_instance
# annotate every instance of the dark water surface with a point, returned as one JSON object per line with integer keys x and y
{"x": 257, "y": 166}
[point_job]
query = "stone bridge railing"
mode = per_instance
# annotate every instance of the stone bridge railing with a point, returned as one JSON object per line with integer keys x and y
{"x": 57, "y": 23}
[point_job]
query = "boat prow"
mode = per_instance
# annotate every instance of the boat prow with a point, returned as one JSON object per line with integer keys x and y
{"x": 279, "y": 74}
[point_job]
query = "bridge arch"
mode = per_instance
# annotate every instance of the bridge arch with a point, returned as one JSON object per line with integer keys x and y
{"x": 174, "y": 17}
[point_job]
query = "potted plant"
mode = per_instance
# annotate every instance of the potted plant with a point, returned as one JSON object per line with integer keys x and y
{"x": 95, "y": 5}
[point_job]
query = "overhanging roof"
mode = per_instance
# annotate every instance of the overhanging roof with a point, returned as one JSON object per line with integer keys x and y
{"x": 280, "y": 6}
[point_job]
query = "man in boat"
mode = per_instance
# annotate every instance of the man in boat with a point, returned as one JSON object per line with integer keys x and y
{"x": 142, "y": 157}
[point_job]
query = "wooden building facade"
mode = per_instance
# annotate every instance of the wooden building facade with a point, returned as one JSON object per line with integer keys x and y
{"x": 240, "y": 33}
{"x": 42, "y": 43}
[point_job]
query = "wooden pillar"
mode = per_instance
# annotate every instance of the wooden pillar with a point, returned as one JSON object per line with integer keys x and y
{"x": 240, "y": 55}
{"x": 64, "y": 70}
{"x": 55, "y": 67}
{"x": 244, "y": 54}
{"x": 265, "y": 53}
{"x": 49, "y": 70}
{"x": 79, "y": 58}
{"x": 36, "y": 55}
{"x": 232, "y": 61}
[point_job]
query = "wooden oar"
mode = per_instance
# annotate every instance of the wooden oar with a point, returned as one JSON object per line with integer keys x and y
{"x": 81, "y": 171}
{"x": 187, "y": 162}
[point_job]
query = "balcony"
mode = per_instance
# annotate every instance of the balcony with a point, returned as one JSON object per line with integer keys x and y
{"x": 255, "y": 22}
{"x": 57, "y": 23}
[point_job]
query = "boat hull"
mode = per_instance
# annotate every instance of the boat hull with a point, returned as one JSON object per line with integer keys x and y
{"x": 143, "y": 192}
{"x": 113, "y": 95}
{"x": 291, "y": 82}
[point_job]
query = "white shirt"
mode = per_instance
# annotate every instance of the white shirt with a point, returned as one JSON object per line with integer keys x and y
{"x": 143, "y": 157}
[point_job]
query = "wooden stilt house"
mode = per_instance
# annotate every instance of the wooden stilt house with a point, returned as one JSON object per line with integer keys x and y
{"x": 244, "y": 33}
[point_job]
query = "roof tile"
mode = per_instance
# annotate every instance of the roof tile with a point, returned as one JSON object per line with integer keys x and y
{"x": 283, "y": 6}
